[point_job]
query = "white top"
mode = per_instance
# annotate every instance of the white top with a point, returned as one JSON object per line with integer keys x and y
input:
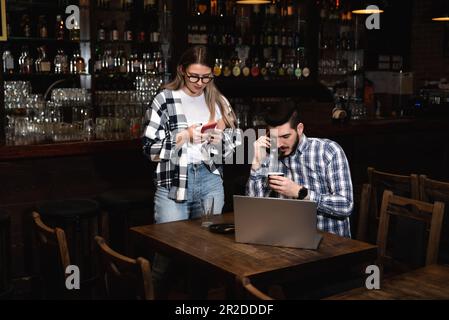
{"x": 196, "y": 112}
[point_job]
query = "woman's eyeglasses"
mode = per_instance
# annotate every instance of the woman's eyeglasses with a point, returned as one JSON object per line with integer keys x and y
{"x": 195, "y": 79}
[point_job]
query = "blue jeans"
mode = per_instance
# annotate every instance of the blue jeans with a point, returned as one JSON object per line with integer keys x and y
{"x": 201, "y": 183}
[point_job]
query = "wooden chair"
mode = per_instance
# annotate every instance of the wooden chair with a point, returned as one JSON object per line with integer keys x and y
{"x": 431, "y": 214}
{"x": 53, "y": 244}
{"x": 252, "y": 290}
{"x": 124, "y": 278}
{"x": 378, "y": 182}
{"x": 434, "y": 190}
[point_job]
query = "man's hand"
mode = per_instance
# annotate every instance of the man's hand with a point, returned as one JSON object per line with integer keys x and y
{"x": 260, "y": 151}
{"x": 284, "y": 186}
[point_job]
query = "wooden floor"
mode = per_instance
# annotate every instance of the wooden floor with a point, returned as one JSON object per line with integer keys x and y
{"x": 429, "y": 283}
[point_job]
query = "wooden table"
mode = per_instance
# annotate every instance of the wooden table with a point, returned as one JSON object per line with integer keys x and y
{"x": 431, "y": 282}
{"x": 187, "y": 240}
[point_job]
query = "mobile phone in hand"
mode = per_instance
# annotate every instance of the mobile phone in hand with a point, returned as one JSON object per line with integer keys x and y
{"x": 208, "y": 126}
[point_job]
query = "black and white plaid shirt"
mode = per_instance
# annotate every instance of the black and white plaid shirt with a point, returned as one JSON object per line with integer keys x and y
{"x": 163, "y": 121}
{"x": 321, "y": 166}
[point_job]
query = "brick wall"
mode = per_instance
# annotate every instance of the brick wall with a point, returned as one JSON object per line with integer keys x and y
{"x": 427, "y": 58}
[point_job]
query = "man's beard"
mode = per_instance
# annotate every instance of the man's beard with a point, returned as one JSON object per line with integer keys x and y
{"x": 295, "y": 146}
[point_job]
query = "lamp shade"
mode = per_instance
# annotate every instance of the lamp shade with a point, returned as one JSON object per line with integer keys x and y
{"x": 440, "y": 10}
{"x": 252, "y": 1}
{"x": 367, "y": 7}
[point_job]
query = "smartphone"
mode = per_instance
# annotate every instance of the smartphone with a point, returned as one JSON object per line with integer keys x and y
{"x": 208, "y": 126}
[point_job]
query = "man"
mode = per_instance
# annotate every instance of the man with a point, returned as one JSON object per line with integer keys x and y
{"x": 314, "y": 169}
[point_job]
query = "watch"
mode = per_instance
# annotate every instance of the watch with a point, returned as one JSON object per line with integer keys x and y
{"x": 302, "y": 193}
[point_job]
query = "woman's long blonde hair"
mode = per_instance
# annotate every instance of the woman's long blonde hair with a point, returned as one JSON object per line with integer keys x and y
{"x": 200, "y": 55}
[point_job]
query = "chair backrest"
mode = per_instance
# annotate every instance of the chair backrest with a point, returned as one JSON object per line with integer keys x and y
{"x": 431, "y": 214}
{"x": 378, "y": 182}
{"x": 52, "y": 243}
{"x": 434, "y": 190}
{"x": 251, "y": 289}
{"x": 124, "y": 277}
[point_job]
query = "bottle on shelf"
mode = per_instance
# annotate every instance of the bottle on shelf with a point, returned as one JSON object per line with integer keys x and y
{"x": 101, "y": 32}
{"x": 120, "y": 61}
{"x": 128, "y": 34}
{"x": 114, "y": 34}
{"x": 60, "y": 28}
{"x": 77, "y": 64}
{"x": 8, "y": 62}
{"x": 25, "y": 26}
{"x": 42, "y": 64}
{"x": 75, "y": 32}
{"x": 42, "y": 27}
{"x": 150, "y": 6}
{"x": 61, "y": 62}
{"x": 127, "y": 5}
{"x": 26, "y": 62}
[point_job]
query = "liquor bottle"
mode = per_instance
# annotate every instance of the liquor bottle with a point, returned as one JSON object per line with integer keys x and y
{"x": 42, "y": 26}
{"x": 25, "y": 26}
{"x": 227, "y": 70}
{"x": 218, "y": 67}
{"x": 141, "y": 35}
{"x": 236, "y": 70}
{"x": 136, "y": 64}
{"x": 114, "y": 34}
{"x": 43, "y": 64}
{"x": 128, "y": 34}
{"x": 95, "y": 66}
{"x": 101, "y": 33}
{"x": 77, "y": 64}
{"x": 159, "y": 63}
{"x": 255, "y": 68}
{"x": 213, "y": 8}
{"x": 60, "y": 29}
{"x": 26, "y": 62}
{"x": 61, "y": 62}
{"x": 75, "y": 32}
{"x": 203, "y": 7}
{"x": 8, "y": 62}
{"x": 120, "y": 61}
{"x": 150, "y": 6}
{"x": 127, "y": 4}
{"x": 246, "y": 71}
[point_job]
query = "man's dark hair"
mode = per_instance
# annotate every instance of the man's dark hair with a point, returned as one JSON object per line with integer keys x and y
{"x": 281, "y": 113}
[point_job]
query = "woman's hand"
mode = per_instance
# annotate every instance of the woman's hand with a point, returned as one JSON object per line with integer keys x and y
{"x": 192, "y": 134}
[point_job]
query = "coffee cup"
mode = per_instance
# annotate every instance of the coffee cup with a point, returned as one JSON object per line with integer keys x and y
{"x": 275, "y": 174}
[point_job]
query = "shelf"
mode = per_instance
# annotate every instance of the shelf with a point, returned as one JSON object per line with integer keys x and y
{"x": 13, "y": 5}
{"x": 43, "y": 40}
{"x": 38, "y": 76}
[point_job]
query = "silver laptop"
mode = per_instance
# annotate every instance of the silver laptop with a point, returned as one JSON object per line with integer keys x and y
{"x": 276, "y": 222}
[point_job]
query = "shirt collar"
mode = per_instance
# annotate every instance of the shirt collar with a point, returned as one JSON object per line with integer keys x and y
{"x": 304, "y": 142}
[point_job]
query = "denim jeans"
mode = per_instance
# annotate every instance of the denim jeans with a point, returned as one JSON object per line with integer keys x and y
{"x": 201, "y": 183}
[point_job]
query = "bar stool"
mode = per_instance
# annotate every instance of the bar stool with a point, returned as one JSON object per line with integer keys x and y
{"x": 6, "y": 288}
{"x": 81, "y": 220}
{"x": 122, "y": 209}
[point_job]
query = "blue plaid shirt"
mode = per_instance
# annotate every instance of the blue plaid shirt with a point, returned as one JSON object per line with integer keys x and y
{"x": 321, "y": 166}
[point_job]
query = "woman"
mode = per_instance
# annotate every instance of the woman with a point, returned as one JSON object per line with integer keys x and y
{"x": 186, "y": 171}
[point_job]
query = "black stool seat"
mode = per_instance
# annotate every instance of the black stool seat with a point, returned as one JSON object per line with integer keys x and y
{"x": 81, "y": 221}
{"x": 125, "y": 208}
{"x": 116, "y": 200}
{"x": 5, "y": 256}
{"x": 69, "y": 208}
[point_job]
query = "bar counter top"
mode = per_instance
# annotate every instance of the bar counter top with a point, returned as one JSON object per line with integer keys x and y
{"x": 323, "y": 129}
